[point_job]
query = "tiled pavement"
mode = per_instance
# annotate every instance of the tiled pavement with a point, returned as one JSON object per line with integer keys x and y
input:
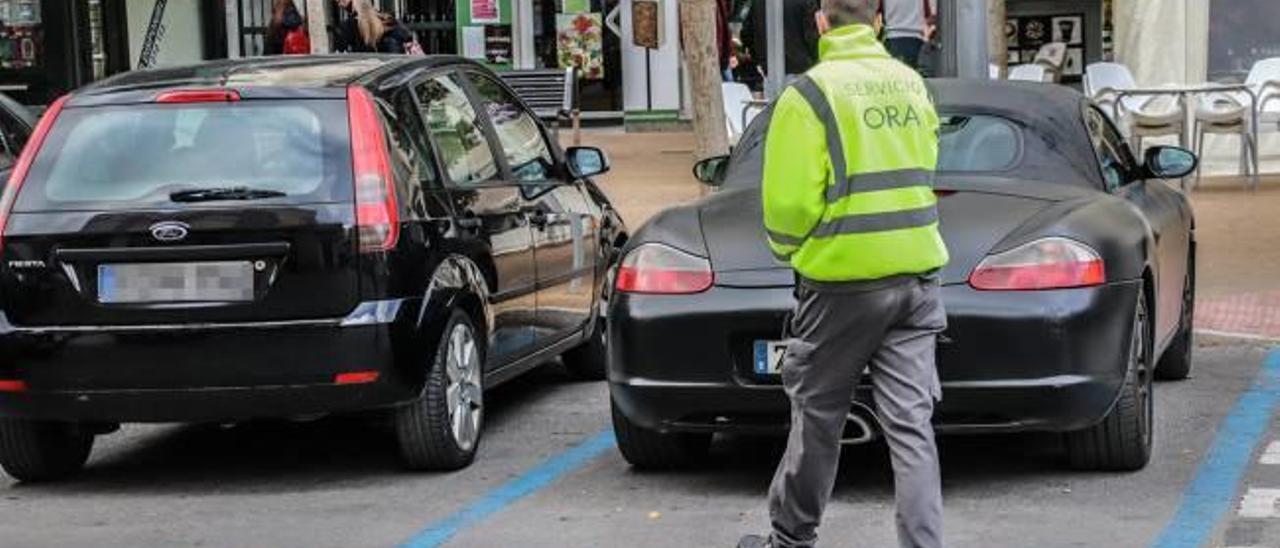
{"x": 1255, "y": 315}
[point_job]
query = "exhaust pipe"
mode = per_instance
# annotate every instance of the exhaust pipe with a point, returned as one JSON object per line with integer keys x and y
{"x": 861, "y": 426}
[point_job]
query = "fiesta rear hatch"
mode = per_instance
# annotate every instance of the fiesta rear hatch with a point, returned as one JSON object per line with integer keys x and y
{"x": 197, "y": 206}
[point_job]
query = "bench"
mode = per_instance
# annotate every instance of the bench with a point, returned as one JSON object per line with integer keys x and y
{"x": 552, "y": 94}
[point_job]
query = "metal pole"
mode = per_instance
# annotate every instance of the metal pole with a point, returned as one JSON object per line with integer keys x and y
{"x": 969, "y": 33}
{"x": 232, "y": 16}
{"x": 317, "y": 26}
{"x": 155, "y": 33}
{"x": 776, "y": 79}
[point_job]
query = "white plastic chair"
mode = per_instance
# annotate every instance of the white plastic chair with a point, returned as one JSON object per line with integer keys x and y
{"x": 1138, "y": 116}
{"x": 1028, "y": 73}
{"x": 1053, "y": 57}
{"x": 739, "y": 109}
{"x": 1226, "y": 114}
{"x": 1264, "y": 79}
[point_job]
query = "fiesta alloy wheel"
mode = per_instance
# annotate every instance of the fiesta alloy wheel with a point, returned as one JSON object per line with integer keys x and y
{"x": 1123, "y": 440}
{"x": 441, "y": 429}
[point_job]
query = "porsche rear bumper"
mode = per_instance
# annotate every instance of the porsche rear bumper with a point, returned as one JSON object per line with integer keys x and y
{"x": 1009, "y": 361}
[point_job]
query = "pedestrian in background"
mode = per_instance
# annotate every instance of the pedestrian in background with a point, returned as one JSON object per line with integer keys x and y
{"x": 858, "y": 223}
{"x": 366, "y": 30}
{"x": 908, "y": 26}
{"x": 286, "y": 31}
{"x": 800, "y": 35}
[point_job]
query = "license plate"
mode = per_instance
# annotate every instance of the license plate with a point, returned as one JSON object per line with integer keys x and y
{"x": 768, "y": 357}
{"x": 226, "y": 281}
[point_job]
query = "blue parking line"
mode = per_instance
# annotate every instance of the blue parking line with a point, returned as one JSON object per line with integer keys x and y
{"x": 1212, "y": 490}
{"x": 506, "y": 494}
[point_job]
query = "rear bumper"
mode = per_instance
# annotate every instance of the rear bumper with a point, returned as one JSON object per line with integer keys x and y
{"x": 198, "y": 404}
{"x": 1047, "y": 404}
{"x": 1025, "y": 361}
{"x": 207, "y": 372}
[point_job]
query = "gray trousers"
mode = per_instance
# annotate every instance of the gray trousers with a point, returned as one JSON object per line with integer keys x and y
{"x": 836, "y": 335}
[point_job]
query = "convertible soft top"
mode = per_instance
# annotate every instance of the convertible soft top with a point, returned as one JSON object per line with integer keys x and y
{"x": 1056, "y": 144}
{"x": 1051, "y": 112}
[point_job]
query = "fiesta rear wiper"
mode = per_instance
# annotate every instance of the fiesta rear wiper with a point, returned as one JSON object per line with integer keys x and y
{"x": 224, "y": 193}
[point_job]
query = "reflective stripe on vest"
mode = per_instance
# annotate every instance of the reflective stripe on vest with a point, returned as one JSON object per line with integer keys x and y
{"x": 877, "y": 222}
{"x": 785, "y": 239}
{"x": 875, "y": 182}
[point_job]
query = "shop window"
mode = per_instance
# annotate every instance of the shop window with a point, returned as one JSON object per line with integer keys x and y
{"x": 21, "y": 34}
{"x": 1241, "y": 33}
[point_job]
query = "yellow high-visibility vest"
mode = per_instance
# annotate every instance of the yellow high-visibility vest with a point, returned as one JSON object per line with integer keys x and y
{"x": 874, "y": 215}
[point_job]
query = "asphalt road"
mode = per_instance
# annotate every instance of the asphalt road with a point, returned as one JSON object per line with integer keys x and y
{"x": 335, "y": 483}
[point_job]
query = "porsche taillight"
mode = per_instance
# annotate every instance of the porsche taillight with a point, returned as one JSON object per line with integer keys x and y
{"x": 1048, "y": 263}
{"x": 658, "y": 269}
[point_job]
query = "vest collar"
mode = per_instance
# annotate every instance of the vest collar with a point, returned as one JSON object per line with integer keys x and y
{"x": 850, "y": 42}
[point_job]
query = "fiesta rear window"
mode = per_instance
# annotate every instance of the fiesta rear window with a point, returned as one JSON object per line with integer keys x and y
{"x": 138, "y": 156}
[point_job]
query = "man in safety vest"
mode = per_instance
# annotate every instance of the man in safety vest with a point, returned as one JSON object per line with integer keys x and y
{"x": 848, "y": 202}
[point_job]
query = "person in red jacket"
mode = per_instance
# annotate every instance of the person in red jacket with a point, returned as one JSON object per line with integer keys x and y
{"x": 285, "y": 21}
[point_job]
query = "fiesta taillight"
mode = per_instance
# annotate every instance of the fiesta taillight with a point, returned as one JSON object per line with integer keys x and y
{"x": 663, "y": 270}
{"x": 356, "y": 377}
{"x": 7, "y": 385}
{"x": 28, "y": 156}
{"x": 377, "y": 215}
{"x": 199, "y": 96}
{"x": 1049, "y": 263}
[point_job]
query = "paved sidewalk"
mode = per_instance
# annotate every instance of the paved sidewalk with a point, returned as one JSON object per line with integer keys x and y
{"x": 1238, "y": 231}
{"x": 651, "y": 171}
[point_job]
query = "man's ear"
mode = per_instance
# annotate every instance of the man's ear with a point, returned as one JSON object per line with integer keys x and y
{"x": 823, "y": 24}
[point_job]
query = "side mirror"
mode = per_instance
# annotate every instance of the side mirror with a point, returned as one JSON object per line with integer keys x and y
{"x": 710, "y": 172}
{"x": 587, "y": 161}
{"x": 1166, "y": 162}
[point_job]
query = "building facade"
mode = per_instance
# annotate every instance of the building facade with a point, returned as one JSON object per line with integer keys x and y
{"x": 49, "y": 47}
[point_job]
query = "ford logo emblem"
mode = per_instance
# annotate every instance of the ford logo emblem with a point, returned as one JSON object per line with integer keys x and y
{"x": 170, "y": 231}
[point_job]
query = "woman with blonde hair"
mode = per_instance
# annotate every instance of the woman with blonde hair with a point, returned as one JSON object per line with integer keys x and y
{"x": 368, "y": 30}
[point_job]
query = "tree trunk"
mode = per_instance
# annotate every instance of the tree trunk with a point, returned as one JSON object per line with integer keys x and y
{"x": 997, "y": 46}
{"x": 702, "y": 59}
{"x": 317, "y": 26}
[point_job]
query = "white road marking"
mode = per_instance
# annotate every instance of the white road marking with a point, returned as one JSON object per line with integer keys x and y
{"x": 1272, "y": 454}
{"x": 1260, "y": 503}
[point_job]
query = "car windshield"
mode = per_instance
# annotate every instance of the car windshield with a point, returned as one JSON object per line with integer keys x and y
{"x": 967, "y": 143}
{"x": 132, "y": 156}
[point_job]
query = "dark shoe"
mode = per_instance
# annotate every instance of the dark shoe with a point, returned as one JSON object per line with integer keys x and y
{"x": 754, "y": 541}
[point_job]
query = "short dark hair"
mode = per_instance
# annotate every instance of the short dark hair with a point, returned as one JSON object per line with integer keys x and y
{"x": 850, "y": 12}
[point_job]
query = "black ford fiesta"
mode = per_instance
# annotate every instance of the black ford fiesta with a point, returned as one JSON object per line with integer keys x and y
{"x": 290, "y": 237}
{"x": 1069, "y": 290}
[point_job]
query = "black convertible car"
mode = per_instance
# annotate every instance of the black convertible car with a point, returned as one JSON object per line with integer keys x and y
{"x": 1070, "y": 288}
